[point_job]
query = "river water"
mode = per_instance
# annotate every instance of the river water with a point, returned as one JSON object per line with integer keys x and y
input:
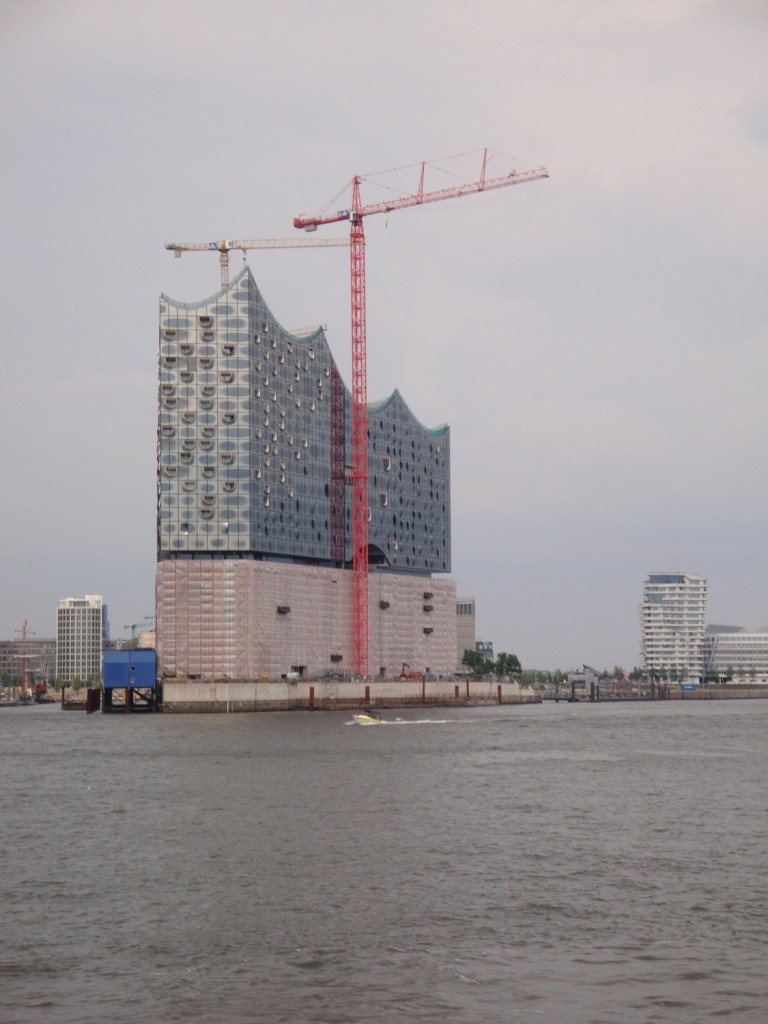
{"x": 599, "y": 864}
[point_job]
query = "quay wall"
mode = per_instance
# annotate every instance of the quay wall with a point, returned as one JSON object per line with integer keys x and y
{"x": 732, "y": 691}
{"x": 287, "y": 695}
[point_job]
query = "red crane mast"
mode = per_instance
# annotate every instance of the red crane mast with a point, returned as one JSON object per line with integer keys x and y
{"x": 355, "y": 216}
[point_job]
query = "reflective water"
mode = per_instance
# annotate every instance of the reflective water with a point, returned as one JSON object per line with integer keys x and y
{"x": 583, "y": 864}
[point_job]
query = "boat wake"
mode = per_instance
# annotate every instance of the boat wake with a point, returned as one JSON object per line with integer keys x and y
{"x": 357, "y": 720}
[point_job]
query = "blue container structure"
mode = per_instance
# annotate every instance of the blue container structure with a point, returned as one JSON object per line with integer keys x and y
{"x": 134, "y": 672}
{"x": 136, "y": 669}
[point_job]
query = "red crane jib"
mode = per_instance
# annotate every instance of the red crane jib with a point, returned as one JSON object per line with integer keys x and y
{"x": 355, "y": 216}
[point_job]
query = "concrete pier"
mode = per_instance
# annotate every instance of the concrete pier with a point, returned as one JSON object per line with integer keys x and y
{"x": 321, "y": 694}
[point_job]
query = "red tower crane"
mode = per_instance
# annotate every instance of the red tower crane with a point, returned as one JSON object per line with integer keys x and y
{"x": 355, "y": 215}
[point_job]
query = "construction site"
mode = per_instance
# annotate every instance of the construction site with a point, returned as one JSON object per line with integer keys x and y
{"x": 302, "y": 533}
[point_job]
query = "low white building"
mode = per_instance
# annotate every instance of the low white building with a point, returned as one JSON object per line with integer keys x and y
{"x": 735, "y": 651}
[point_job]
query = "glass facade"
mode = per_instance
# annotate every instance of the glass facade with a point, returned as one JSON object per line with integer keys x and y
{"x": 254, "y": 447}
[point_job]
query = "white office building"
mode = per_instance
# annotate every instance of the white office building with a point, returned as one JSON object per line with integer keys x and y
{"x": 672, "y": 622}
{"x": 81, "y": 628}
{"x": 735, "y": 652}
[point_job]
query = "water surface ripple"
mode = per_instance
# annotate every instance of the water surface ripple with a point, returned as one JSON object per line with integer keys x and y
{"x": 555, "y": 863}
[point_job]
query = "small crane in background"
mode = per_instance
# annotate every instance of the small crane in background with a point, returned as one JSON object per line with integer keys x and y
{"x": 137, "y": 625}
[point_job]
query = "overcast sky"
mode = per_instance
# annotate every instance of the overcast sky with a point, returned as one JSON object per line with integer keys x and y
{"x": 596, "y": 341}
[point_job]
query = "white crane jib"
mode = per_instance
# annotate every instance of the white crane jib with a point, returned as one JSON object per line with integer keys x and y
{"x": 224, "y": 246}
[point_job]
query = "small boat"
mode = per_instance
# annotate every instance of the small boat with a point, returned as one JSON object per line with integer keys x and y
{"x": 367, "y": 718}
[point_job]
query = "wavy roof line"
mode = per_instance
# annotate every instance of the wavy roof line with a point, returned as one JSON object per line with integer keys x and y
{"x": 377, "y": 407}
{"x": 304, "y": 339}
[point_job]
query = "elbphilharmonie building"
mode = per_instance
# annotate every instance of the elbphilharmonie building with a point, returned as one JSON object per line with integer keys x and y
{"x": 254, "y": 576}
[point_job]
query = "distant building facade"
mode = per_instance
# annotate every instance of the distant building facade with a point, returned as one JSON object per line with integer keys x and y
{"x": 147, "y": 639}
{"x": 37, "y": 655}
{"x": 465, "y": 628}
{"x": 485, "y": 647}
{"x": 81, "y": 630}
{"x": 672, "y": 622}
{"x": 737, "y": 652}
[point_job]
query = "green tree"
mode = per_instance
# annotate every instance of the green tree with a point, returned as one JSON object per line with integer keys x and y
{"x": 508, "y": 664}
{"x": 477, "y": 664}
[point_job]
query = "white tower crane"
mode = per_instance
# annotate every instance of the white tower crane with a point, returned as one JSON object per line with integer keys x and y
{"x": 224, "y": 246}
